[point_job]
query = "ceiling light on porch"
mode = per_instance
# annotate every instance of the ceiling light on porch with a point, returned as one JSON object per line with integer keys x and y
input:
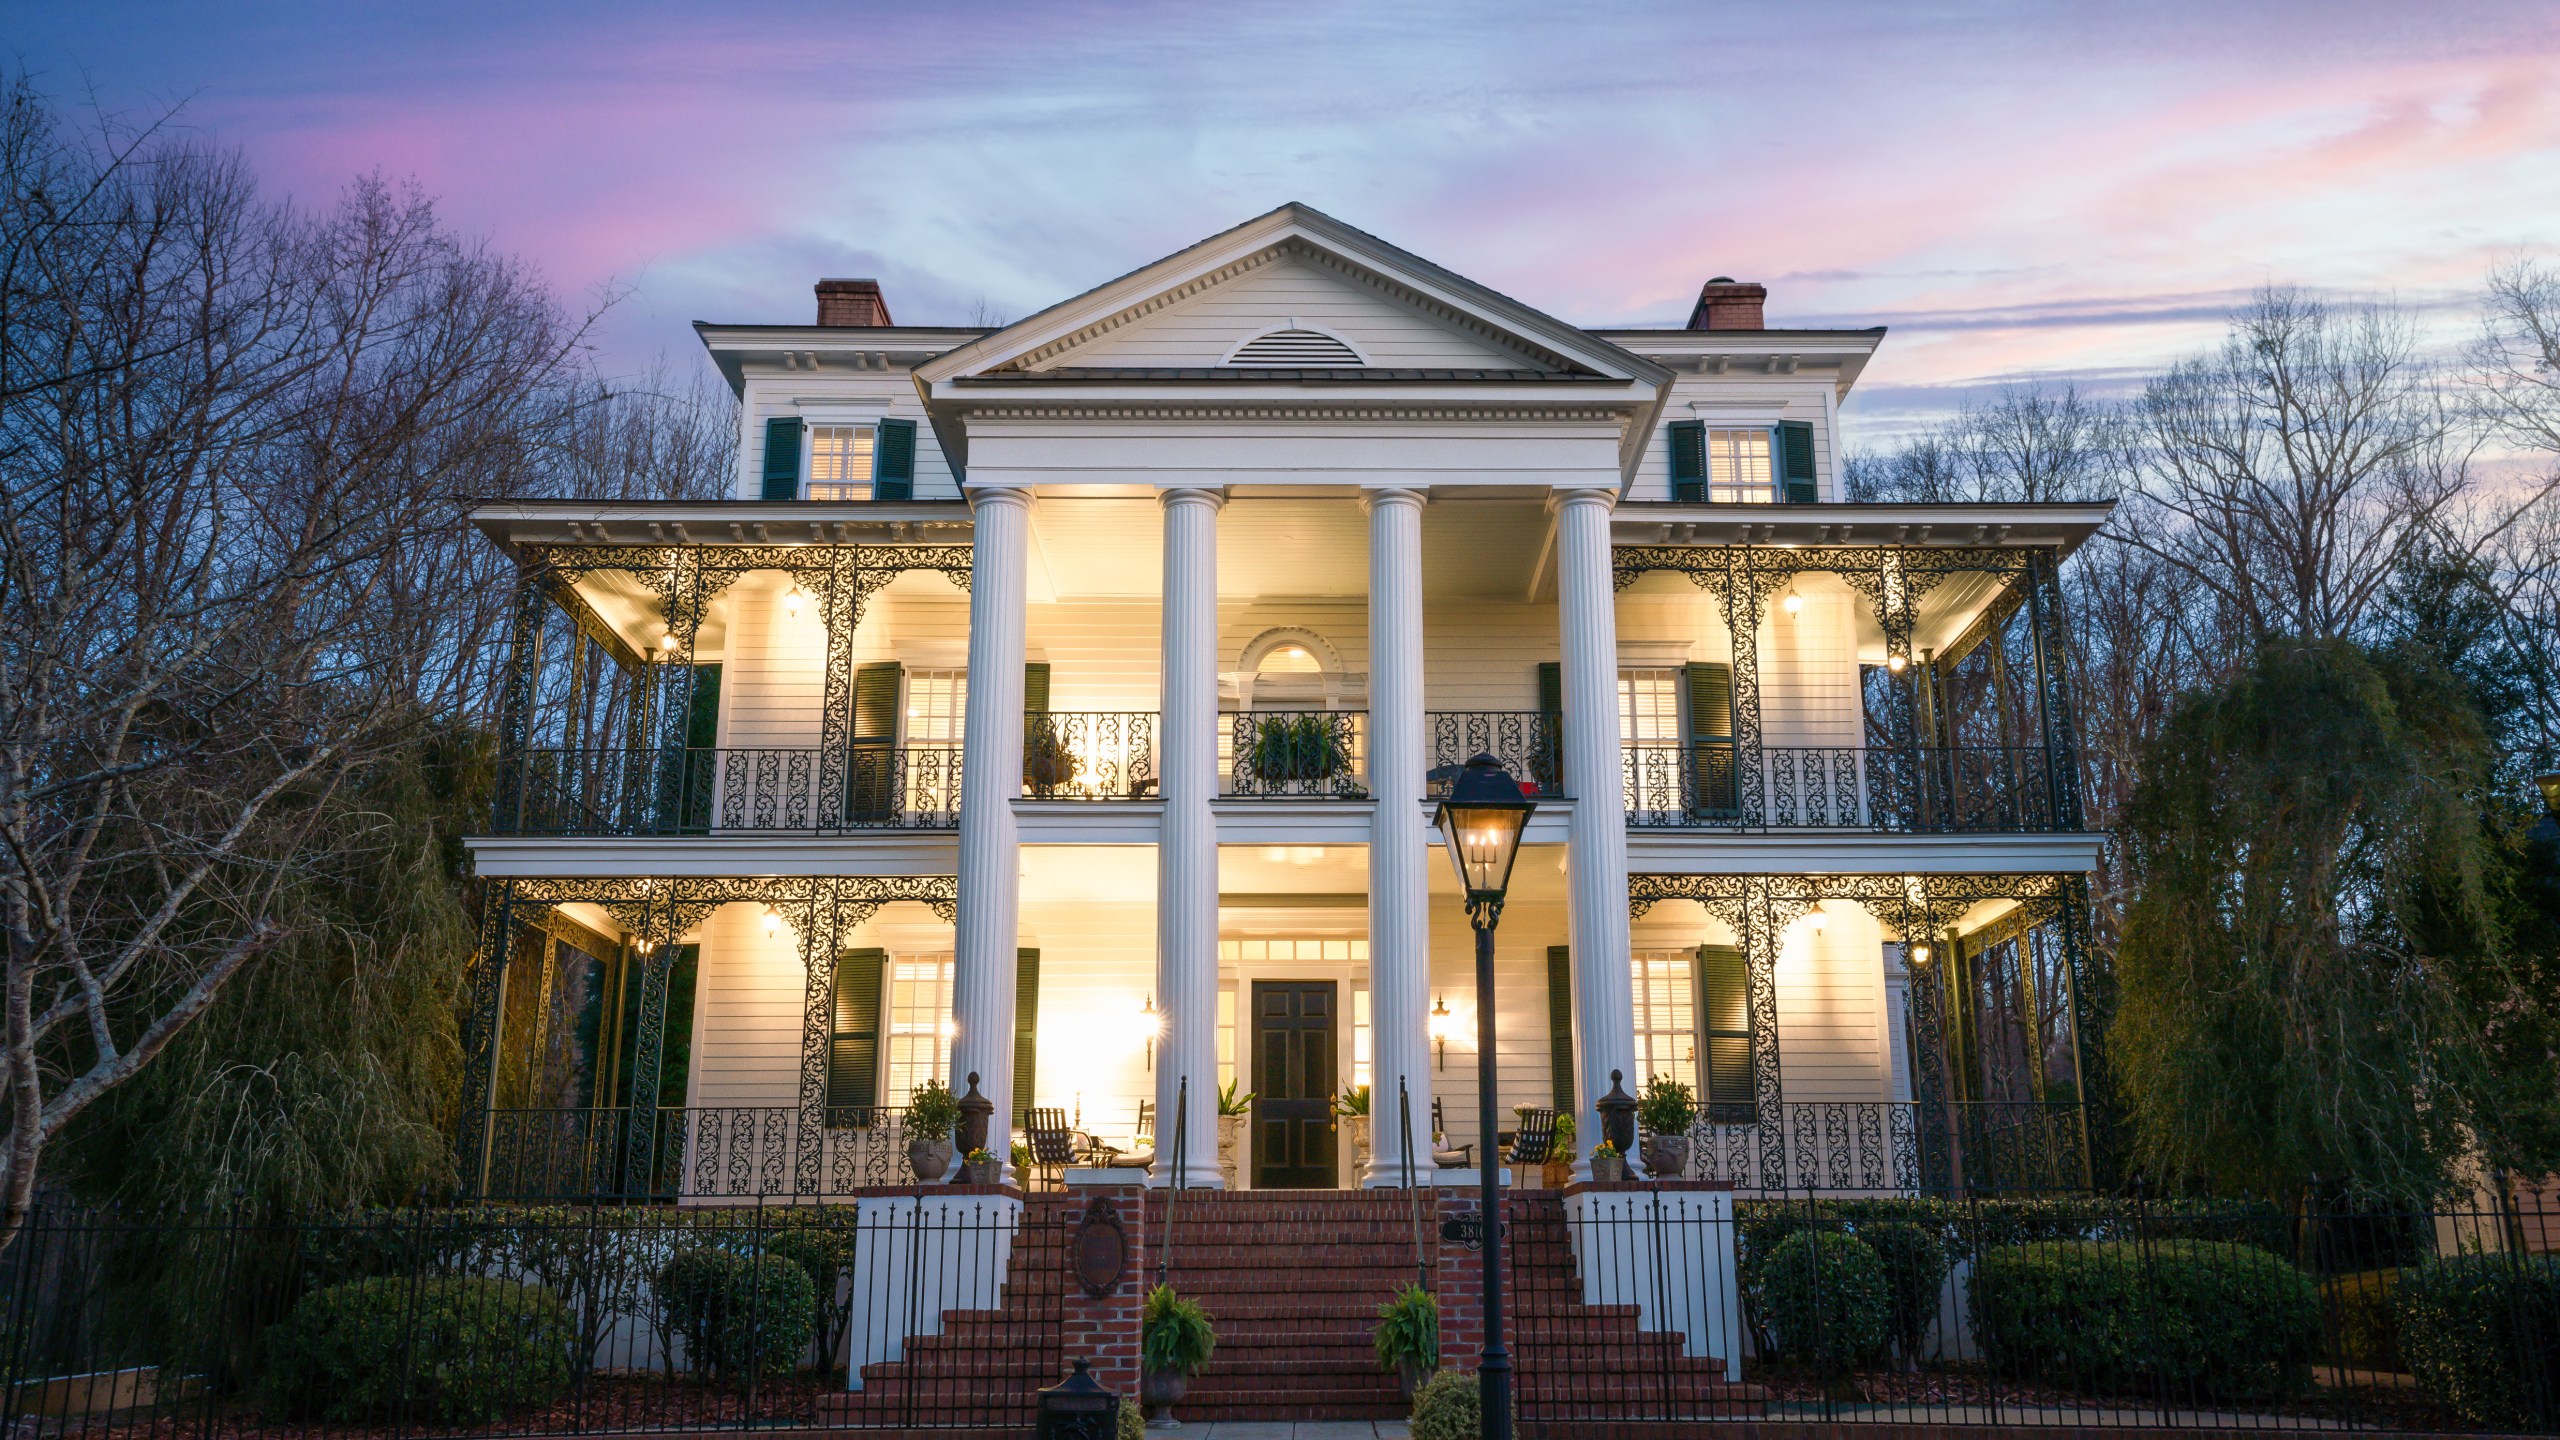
{"x": 667, "y": 641}
{"x": 1919, "y": 954}
{"x": 791, "y": 601}
{"x": 1793, "y": 604}
{"x": 1895, "y": 663}
{"x": 772, "y": 922}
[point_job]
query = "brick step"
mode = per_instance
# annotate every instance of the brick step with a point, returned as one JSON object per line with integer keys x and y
{"x": 1344, "y": 1371}
{"x": 1296, "y": 1403}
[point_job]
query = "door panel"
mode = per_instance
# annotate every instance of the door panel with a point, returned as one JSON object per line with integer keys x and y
{"x": 1293, "y": 1050}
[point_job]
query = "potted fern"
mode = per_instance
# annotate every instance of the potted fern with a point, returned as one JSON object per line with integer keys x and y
{"x": 1408, "y": 1337}
{"x": 932, "y": 1113}
{"x": 1175, "y": 1341}
{"x": 1232, "y": 1110}
{"x": 1297, "y": 748}
{"x": 1353, "y": 1106}
{"x": 1666, "y": 1112}
{"x": 1047, "y": 763}
{"x": 1558, "y": 1171}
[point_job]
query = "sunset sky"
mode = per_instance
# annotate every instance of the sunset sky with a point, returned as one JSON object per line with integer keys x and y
{"x": 2018, "y": 190}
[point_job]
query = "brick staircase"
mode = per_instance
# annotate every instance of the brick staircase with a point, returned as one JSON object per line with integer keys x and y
{"x": 1294, "y": 1279}
{"x": 981, "y": 1375}
{"x": 1591, "y": 1371}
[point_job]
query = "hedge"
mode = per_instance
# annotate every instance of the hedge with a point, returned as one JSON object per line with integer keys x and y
{"x": 2482, "y": 1335}
{"x": 739, "y": 1316}
{"x": 2180, "y": 1319}
{"x": 452, "y": 1350}
{"x": 1824, "y": 1297}
{"x": 1969, "y": 1225}
{"x": 1448, "y": 1407}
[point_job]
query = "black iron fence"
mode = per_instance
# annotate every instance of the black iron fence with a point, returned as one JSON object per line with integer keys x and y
{"x": 1638, "y": 1306}
{"x": 1889, "y": 1148}
{"x": 670, "y": 791}
{"x": 1925, "y": 790}
{"x": 487, "y": 1320}
{"x": 1525, "y": 741}
{"x": 1300, "y": 754}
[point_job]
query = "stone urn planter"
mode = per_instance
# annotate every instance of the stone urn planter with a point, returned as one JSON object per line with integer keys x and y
{"x": 1355, "y": 1128}
{"x": 1608, "y": 1169}
{"x": 982, "y": 1172}
{"x": 1157, "y": 1390}
{"x": 929, "y": 1159}
{"x": 1230, "y": 1147}
{"x": 1666, "y": 1157}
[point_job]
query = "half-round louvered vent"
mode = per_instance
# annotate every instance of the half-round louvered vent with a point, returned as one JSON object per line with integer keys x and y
{"x": 1294, "y": 347}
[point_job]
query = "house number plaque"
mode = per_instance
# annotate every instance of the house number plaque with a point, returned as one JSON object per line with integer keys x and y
{"x": 1101, "y": 1249}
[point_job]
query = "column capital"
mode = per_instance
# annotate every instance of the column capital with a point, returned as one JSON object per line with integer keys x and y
{"x": 1605, "y": 496}
{"x": 1373, "y": 496}
{"x": 978, "y": 495}
{"x": 1211, "y": 496}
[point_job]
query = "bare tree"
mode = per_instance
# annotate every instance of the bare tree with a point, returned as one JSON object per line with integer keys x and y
{"x": 2296, "y": 469}
{"x": 230, "y": 434}
{"x": 2028, "y": 443}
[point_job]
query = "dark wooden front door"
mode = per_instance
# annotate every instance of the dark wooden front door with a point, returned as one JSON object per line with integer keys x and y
{"x": 1293, "y": 1085}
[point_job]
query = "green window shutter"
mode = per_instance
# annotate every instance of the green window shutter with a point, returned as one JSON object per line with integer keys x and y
{"x": 1026, "y": 1029}
{"x": 871, "y": 777}
{"x": 782, "y": 458}
{"x": 1546, "y": 762}
{"x": 853, "y": 1058}
{"x": 1689, "y": 461}
{"x": 1560, "y": 1023}
{"x": 1711, "y": 736}
{"x": 1035, "y": 688}
{"x": 1724, "y": 1026}
{"x": 1795, "y": 449}
{"x": 893, "y": 461}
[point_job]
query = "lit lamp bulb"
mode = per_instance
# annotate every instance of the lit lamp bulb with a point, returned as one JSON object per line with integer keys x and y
{"x": 772, "y": 922}
{"x": 1793, "y": 604}
{"x": 1919, "y": 954}
{"x": 1895, "y": 663}
{"x": 1441, "y": 1024}
{"x": 667, "y": 642}
{"x": 791, "y": 602}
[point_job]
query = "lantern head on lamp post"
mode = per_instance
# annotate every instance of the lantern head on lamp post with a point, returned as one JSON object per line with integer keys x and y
{"x": 1481, "y": 823}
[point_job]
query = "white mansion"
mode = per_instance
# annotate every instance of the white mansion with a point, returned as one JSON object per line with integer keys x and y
{"x": 1063, "y": 704}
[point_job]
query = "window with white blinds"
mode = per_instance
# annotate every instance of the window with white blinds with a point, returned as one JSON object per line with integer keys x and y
{"x": 1738, "y": 467}
{"x": 840, "y": 462}
{"x": 917, "y": 1037}
{"x": 1649, "y": 707}
{"x": 937, "y": 706}
{"x": 1666, "y": 1016}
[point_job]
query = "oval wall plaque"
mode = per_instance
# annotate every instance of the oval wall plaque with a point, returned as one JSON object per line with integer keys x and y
{"x": 1101, "y": 1250}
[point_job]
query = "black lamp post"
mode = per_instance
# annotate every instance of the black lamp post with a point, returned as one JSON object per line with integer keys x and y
{"x": 1481, "y": 822}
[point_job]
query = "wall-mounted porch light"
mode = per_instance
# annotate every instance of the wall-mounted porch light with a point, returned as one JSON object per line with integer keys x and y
{"x": 1919, "y": 954}
{"x": 1895, "y": 663}
{"x": 1440, "y": 1022}
{"x": 667, "y": 641}
{"x": 1151, "y": 1025}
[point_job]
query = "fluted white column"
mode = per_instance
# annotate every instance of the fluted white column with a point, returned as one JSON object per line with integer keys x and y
{"x": 1596, "y": 855}
{"x": 1187, "y": 846}
{"x": 985, "y": 951}
{"x": 1399, "y": 905}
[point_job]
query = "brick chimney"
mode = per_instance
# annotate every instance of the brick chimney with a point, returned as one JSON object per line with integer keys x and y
{"x": 1725, "y": 304}
{"x": 851, "y": 302}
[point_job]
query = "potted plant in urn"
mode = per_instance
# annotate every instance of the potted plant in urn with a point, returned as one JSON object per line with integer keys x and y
{"x": 1232, "y": 1110}
{"x": 1175, "y": 1340}
{"x": 1666, "y": 1112}
{"x": 932, "y": 1113}
{"x": 1047, "y": 763}
{"x": 981, "y": 1167}
{"x": 1408, "y": 1337}
{"x": 1607, "y": 1165}
{"x": 1297, "y": 748}
{"x": 1353, "y": 1106}
{"x": 1558, "y": 1171}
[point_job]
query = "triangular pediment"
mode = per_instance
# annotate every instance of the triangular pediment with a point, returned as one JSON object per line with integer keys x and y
{"x": 1294, "y": 282}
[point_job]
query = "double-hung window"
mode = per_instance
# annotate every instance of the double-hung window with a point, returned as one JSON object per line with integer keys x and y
{"x": 917, "y": 1038}
{"x": 1738, "y": 467}
{"x": 840, "y": 459}
{"x": 1649, "y": 738}
{"x": 1666, "y": 1016}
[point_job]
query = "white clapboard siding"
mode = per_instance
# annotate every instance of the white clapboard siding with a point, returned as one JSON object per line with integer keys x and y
{"x": 850, "y": 398}
{"x": 1740, "y": 400}
{"x": 1809, "y": 673}
{"x": 1205, "y": 328}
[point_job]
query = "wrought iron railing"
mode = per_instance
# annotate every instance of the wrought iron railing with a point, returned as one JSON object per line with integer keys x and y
{"x": 671, "y": 791}
{"x": 1897, "y": 1147}
{"x": 1525, "y": 741}
{"x": 1296, "y": 753}
{"x": 1089, "y": 755}
{"x": 1925, "y": 790}
{"x": 694, "y": 1153}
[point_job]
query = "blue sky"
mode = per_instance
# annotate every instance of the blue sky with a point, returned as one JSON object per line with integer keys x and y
{"x": 2017, "y": 189}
